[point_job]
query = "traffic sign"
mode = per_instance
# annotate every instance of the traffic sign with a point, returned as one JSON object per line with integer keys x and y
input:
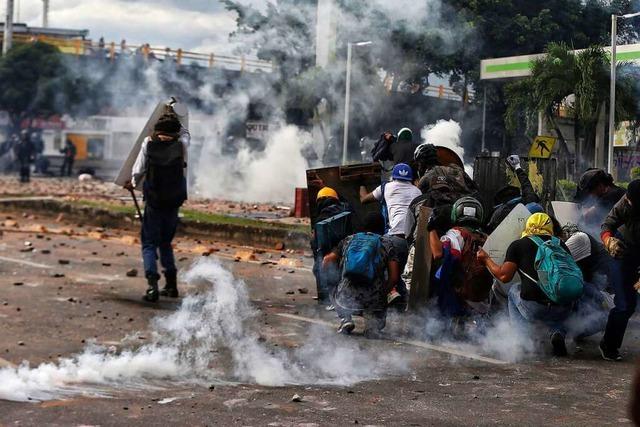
{"x": 542, "y": 147}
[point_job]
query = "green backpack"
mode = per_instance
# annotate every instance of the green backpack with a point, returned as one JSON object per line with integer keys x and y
{"x": 560, "y": 278}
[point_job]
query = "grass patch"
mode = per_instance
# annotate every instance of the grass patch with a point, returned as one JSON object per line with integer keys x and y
{"x": 197, "y": 216}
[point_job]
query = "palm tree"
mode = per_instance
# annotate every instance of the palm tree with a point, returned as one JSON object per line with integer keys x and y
{"x": 577, "y": 81}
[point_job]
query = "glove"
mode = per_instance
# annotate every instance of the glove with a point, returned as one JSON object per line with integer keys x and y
{"x": 514, "y": 162}
{"x": 615, "y": 247}
{"x": 439, "y": 220}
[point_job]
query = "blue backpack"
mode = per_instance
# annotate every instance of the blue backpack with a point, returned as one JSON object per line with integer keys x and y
{"x": 362, "y": 257}
{"x": 560, "y": 278}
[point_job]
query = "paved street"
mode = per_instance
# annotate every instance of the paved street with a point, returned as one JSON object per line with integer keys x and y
{"x": 64, "y": 285}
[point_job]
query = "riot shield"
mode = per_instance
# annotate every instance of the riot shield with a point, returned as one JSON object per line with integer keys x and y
{"x": 163, "y": 107}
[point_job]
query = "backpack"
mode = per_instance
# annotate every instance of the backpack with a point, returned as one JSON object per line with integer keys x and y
{"x": 165, "y": 186}
{"x": 472, "y": 280}
{"x": 560, "y": 278}
{"x": 381, "y": 151}
{"x": 362, "y": 257}
{"x": 331, "y": 231}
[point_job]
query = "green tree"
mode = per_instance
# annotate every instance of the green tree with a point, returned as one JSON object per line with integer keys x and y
{"x": 34, "y": 81}
{"x": 578, "y": 82}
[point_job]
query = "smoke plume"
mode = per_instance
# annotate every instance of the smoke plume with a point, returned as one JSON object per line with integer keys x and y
{"x": 211, "y": 338}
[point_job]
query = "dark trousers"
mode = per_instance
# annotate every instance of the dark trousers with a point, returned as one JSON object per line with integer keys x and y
{"x": 25, "y": 170}
{"x": 623, "y": 275}
{"x": 158, "y": 229}
{"x": 67, "y": 165}
{"x": 326, "y": 280}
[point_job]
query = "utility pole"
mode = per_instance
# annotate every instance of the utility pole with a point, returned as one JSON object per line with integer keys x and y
{"x": 7, "y": 40}
{"x": 45, "y": 13}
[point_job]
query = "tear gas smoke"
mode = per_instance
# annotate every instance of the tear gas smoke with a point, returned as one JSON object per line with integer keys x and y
{"x": 212, "y": 338}
{"x": 446, "y": 133}
{"x": 266, "y": 176}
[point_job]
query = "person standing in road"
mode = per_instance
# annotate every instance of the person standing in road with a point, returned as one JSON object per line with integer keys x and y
{"x": 68, "y": 156}
{"x": 621, "y": 238}
{"x": 24, "y": 153}
{"x": 161, "y": 164}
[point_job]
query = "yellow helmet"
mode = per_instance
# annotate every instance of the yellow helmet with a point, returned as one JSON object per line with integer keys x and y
{"x": 327, "y": 192}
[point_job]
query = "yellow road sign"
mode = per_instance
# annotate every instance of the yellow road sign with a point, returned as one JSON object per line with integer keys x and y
{"x": 542, "y": 147}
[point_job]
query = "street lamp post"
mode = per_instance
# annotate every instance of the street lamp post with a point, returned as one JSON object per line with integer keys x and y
{"x": 8, "y": 28}
{"x": 347, "y": 98}
{"x": 612, "y": 87}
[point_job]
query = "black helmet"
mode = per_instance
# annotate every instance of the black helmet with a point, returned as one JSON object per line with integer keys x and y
{"x": 425, "y": 151}
{"x": 467, "y": 210}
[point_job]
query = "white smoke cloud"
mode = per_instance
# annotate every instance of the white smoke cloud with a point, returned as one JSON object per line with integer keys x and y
{"x": 447, "y": 133}
{"x": 212, "y": 338}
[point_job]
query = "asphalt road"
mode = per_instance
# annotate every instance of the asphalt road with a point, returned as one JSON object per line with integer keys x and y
{"x": 50, "y": 310}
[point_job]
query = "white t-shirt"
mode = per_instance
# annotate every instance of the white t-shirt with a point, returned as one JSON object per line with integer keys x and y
{"x": 398, "y": 195}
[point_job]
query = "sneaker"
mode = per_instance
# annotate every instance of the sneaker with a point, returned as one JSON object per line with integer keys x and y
{"x": 558, "y": 344}
{"x": 346, "y": 327}
{"x": 330, "y": 307}
{"x": 608, "y": 354}
{"x": 393, "y": 296}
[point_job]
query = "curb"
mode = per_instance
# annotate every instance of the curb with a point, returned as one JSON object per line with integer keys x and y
{"x": 266, "y": 237}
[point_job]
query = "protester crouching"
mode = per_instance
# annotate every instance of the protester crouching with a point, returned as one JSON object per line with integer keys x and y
{"x": 160, "y": 164}
{"x": 328, "y": 205}
{"x": 621, "y": 237}
{"x": 370, "y": 269}
{"x": 462, "y": 284}
{"x": 395, "y": 197}
{"x": 552, "y": 289}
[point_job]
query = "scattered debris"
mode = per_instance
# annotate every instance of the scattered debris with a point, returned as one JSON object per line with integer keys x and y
{"x": 279, "y": 246}
{"x": 132, "y": 273}
{"x": 60, "y": 217}
{"x": 167, "y": 400}
{"x": 290, "y": 293}
{"x": 63, "y": 261}
{"x": 45, "y": 251}
{"x": 57, "y": 275}
{"x": 245, "y": 256}
{"x": 296, "y": 398}
{"x": 303, "y": 290}
{"x": 11, "y": 223}
{"x": 21, "y": 343}
{"x": 106, "y": 264}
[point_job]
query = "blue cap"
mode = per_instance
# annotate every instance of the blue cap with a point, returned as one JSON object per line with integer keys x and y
{"x": 402, "y": 172}
{"x": 535, "y": 208}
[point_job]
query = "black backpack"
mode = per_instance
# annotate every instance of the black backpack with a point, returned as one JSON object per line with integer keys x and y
{"x": 165, "y": 184}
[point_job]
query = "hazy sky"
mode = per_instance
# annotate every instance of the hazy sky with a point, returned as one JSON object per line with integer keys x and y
{"x": 201, "y": 25}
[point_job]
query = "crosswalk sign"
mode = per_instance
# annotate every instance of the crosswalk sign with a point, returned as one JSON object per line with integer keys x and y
{"x": 542, "y": 147}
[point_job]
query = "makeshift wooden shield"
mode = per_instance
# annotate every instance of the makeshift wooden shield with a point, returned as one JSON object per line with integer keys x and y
{"x": 346, "y": 180}
{"x": 421, "y": 275}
